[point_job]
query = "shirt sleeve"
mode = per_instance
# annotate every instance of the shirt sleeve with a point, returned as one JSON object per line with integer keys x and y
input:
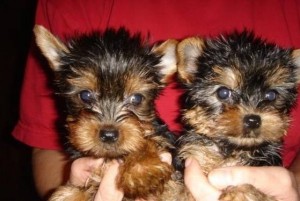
{"x": 38, "y": 117}
{"x": 40, "y": 124}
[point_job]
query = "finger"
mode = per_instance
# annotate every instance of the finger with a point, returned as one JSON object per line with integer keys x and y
{"x": 260, "y": 177}
{"x": 166, "y": 157}
{"x": 108, "y": 190}
{"x": 82, "y": 168}
{"x": 197, "y": 182}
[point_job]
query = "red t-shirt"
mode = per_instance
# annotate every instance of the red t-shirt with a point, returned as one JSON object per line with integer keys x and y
{"x": 276, "y": 20}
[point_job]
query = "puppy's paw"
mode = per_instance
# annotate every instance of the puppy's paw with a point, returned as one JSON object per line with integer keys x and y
{"x": 144, "y": 178}
{"x": 70, "y": 193}
{"x": 244, "y": 192}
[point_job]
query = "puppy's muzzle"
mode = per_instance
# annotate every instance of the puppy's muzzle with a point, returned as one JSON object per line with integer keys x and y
{"x": 251, "y": 125}
{"x": 109, "y": 135}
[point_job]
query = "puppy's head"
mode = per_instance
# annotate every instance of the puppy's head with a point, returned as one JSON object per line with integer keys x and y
{"x": 109, "y": 82}
{"x": 238, "y": 87}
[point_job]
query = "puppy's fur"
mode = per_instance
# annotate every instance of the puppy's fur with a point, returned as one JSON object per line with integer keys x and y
{"x": 239, "y": 91}
{"x": 109, "y": 82}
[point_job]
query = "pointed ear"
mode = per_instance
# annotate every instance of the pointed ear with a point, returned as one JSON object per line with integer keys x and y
{"x": 296, "y": 59}
{"x": 188, "y": 51}
{"x": 168, "y": 62}
{"x": 50, "y": 46}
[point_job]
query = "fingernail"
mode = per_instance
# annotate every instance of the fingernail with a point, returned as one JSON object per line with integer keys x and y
{"x": 115, "y": 162}
{"x": 166, "y": 157}
{"x": 98, "y": 162}
{"x": 120, "y": 161}
{"x": 219, "y": 178}
{"x": 188, "y": 161}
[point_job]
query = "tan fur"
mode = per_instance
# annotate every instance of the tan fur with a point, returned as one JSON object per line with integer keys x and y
{"x": 168, "y": 50}
{"x": 244, "y": 192}
{"x": 49, "y": 48}
{"x": 208, "y": 160}
{"x": 196, "y": 118}
{"x": 296, "y": 58}
{"x": 140, "y": 168}
{"x": 86, "y": 80}
{"x": 134, "y": 84}
{"x": 218, "y": 131}
{"x": 142, "y": 173}
{"x": 278, "y": 77}
{"x": 230, "y": 78}
{"x": 188, "y": 50}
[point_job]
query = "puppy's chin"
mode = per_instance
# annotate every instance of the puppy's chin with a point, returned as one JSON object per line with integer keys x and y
{"x": 246, "y": 141}
{"x": 111, "y": 153}
{"x": 249, "y": 141}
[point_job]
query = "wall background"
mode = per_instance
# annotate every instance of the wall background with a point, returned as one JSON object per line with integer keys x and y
{"x": 16, "y": 20}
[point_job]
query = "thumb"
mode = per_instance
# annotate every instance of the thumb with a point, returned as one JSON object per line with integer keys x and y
{"x": 166, "y": 157}
{"x": 260, "y": 177}
{"x": 108, "y": 189}
{"x": 223, "y": 177}
{"x": 82, "y": 168}
{"x": 197, "y": 182}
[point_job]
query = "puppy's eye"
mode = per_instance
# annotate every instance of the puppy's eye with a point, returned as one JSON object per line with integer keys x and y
{"x": 223, "y": 93}
{"x": 136, "y": 99}
{"x": 86, "y": 96}
{"x": 271, "y": 95}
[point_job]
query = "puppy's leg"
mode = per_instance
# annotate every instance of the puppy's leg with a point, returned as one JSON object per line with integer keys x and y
{"x": 71, "y": 193}
{"x": 244, "y": 192}
{"x": 143, "y": 174}
{"x": 74, "y": 193}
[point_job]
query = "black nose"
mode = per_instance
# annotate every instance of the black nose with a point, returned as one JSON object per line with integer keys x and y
{"x": 109, "y": 135}
{"x": 252, "y": 121}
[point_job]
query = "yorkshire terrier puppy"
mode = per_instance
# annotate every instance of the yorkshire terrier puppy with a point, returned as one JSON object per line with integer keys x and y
{"x": 239, "y": 91}
{"x": 109, "y": 81}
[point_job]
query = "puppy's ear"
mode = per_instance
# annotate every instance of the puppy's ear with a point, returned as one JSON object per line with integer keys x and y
{"x": 188, "y": 51}
{"x": 296, "y": 59}
{"x": 168, "y": 62}
{"x": 50, "y": 46}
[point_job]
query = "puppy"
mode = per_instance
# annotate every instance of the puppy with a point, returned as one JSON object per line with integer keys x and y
{"x": 109, "y": 81}
{"x": 239, "y": 91}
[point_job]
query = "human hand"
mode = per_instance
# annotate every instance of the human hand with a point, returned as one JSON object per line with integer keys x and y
{"x": 198, "y": 183}
{"x": 83, "y": 168}
{"x": 283, "y": 182}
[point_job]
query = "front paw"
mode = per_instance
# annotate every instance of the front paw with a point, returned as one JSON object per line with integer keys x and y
{"x": 244, "y": 192}
{"x": 70, "y": 193}
{"x": 142, "y": 179}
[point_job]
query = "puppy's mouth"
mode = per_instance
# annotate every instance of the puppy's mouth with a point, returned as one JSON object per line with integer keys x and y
{"x": 246, "y": 141}
{"x": 110, "y": 151}
{"x": 250, "y": 133}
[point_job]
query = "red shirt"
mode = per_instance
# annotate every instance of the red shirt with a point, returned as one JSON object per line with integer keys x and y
{"x": 276, "y": 20}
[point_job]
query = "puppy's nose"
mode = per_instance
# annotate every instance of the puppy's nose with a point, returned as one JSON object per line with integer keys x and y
{"x": 252, "y": 121}
{"x": 109, "y": 135}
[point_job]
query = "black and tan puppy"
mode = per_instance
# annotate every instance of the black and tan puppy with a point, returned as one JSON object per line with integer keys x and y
{"x": 239, "y": 91}
{"x": 109, "y": 82}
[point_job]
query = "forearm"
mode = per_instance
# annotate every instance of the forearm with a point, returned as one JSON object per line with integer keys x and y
{"x": 295, "y": 168}
{"x": 50, "y": 169}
